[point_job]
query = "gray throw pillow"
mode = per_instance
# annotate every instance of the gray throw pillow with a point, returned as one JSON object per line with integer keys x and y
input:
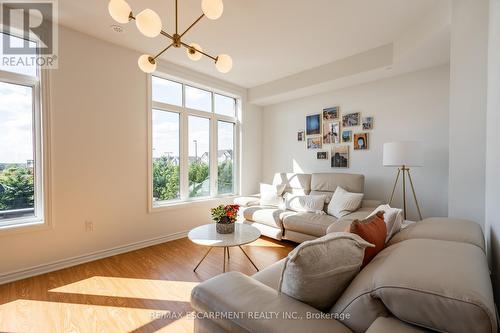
{"x": 317, "y": 272}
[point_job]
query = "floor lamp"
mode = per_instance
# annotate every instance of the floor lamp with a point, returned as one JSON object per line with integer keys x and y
{"x": 403, "y": 155}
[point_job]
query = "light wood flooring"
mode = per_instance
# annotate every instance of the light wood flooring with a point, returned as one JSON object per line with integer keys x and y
{"x": 131, "y": 292}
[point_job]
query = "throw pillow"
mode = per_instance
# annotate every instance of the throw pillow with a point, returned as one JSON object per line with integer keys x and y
{"x": 344, "y": 203}
{"x": 316, "y": 272}
{"x": 372, "y": 230}
{"x": 393, "y": 218}
{"x": 305, "y": 203}
{"x": 270, "y": 195}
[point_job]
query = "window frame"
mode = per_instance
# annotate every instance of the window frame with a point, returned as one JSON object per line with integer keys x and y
{"x": 184, "y": 113}
{"x": 41, "y": 156}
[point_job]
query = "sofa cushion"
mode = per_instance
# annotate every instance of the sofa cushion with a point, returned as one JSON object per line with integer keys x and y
{"x": 296, "y": 183}
{"x": 327, "y": 183}
{"x": 252, "y": 200}
{"x": 271, "y": 275}
{"x": 268, "y": 215}
{"x": 304, "y": 203}
{"x": 391, "y": 324}
{"x": 317, "y": 272}
{"x": 448, "y": 282}
{"x": 345, "y": 221}
{"x": 374, "y": 231}
{"x": 344, "y": 203}
{"x": 270, "y": 195}
{"x": 443, "y": 228}
{"x": 308, "y": 223}
{"x": 393, "y": 218}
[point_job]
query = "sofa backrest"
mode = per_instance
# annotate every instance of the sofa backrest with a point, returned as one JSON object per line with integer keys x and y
{"x": 327, "y": 183}
{"x": 296, "y": 183}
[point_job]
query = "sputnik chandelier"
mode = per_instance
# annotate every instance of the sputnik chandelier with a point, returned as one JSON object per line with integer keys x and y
{"x": 149, "y": 24}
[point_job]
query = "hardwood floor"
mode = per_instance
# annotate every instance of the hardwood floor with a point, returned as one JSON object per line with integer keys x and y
{"x": 131, "y": 292}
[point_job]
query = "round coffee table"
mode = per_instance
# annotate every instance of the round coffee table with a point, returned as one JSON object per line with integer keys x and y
{"x": 206, "y": 235}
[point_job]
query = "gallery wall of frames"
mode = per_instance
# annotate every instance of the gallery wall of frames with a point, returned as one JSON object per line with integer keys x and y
{"x": 333, "y": 134}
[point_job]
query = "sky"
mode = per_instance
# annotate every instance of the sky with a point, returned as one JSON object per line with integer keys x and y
{"x": 16, "y": 136}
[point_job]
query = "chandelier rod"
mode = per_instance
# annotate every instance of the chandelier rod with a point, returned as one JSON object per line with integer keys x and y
{"x": 194, "y": 48}
{"x": 162, "y": 51}
{"x": 166, "y": 34}
{"x": 176, "y": 18}
{"x": 192, "y": 25}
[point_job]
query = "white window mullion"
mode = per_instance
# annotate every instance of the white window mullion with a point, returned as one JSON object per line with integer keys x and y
{"x": 213, "y": 156}
{"x": 184, "y": 150}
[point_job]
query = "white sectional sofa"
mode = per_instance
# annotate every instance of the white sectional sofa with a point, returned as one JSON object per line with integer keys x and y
{"x": 280, "y": 224}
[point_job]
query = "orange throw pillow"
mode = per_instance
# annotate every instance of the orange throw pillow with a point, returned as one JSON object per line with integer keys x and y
{"x": 373, "y": 230}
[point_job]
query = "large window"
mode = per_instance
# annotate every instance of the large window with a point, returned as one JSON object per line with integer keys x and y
{"x": 21, "y": 184}
{"x": 194, "y": 142}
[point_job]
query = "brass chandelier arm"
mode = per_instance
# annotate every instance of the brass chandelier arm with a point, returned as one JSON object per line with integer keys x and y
{"x": 162, "y": 51}
{"x": 177, "y": 37}
{"x": 205, "y": 54}
{"x": 176, "y": 18}
{"x": 192, "y": 25}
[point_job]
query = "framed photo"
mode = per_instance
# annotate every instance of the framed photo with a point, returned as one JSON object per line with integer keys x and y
{"x": 314, "y": 143}
{"x": 322, "y": 155}
{"x": 330, "y": 114}
{"x": 346, "y": 136}
{"x": 331, "y": 132}
{"x": 351, "y": 119}
{"x": 360, "y": 141}
{"x": 340, "y": 157}
{"x": 301, "y": 136}
{"x": 313, "y": 124}
{"x": 367, "y": 123}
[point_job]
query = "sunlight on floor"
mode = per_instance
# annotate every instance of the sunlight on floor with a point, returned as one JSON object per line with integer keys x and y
{"x": 41, "y": 316}
{"x": 264, "y": 243}
{"x": 133, "y": 288}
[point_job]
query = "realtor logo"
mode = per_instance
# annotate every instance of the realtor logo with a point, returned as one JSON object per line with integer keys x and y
{"x": 30, "y": 33}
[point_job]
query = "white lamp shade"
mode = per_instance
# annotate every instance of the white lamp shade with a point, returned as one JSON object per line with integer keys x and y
{"x": 148, "y": 23}
{"x": 145, "y": 64}
{"x": 119, "y": 10}
{"x": 212, "y": 8}
{"x": 407, "y": 153}
{"x": 224, "y": 63}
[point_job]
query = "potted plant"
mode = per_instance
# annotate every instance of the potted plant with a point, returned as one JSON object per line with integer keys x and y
{"x": 225, "y": 217}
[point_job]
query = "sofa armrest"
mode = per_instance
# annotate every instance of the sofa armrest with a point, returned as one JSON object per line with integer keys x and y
{"x": 247, "y": 201}
{"x": 237, "y": 302}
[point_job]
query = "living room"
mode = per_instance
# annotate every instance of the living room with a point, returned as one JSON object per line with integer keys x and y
{"x": 116, "y": 144}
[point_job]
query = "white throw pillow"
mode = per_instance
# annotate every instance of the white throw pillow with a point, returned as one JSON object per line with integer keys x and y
{"x": 393, "y": 218}
{"x": 270, "y": 195}
{"x": 317, "y": 272}
{"x": 344, "y": 203}
{"x": 305, "y": 203}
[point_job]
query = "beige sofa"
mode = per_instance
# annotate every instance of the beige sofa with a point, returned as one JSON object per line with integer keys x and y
{"x": 298, "y": 227}
{"x": 432, "y": 276}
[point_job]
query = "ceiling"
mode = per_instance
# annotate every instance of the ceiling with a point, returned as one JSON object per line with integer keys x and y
{"x": 267, "y": 39}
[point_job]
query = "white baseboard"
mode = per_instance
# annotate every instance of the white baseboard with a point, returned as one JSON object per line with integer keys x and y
{"x": 77, "y": 260}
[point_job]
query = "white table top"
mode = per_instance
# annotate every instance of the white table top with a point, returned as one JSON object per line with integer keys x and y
{"x": 207, "y": 235}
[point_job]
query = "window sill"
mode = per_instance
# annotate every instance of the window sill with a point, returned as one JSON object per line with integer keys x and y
{"x": 27, "y": 225}
{"x": 165, "y": 206}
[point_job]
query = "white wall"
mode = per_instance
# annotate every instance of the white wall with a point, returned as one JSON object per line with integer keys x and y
{"x": 408, "y": 107}
{"x": 468, "y": 61}
{"x": 99, "y": 158}
{"x": 492, "y": 150}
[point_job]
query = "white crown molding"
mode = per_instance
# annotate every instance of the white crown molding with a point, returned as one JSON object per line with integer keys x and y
{"x": 77, "y": 260}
